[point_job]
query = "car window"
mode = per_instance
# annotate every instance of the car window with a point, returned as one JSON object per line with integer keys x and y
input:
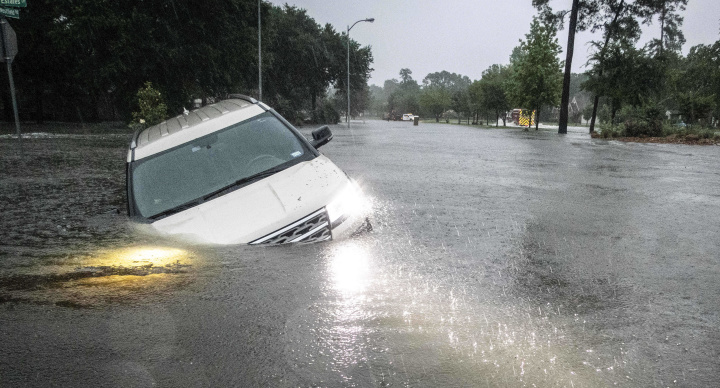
{"x": 210, "y": 163}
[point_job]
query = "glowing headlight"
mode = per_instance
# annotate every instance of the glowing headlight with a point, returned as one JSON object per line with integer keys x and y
{"x": 349, "y": 202}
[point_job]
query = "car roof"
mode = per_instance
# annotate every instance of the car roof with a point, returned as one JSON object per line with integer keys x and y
{"x": 188, "y": 120}
{"x": 191, "y": 125}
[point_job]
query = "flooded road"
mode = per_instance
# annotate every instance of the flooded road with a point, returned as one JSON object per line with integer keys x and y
{"x": 498, "y": 258}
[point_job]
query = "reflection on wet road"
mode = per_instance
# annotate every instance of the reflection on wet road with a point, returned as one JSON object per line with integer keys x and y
{"x": 498, "y": 258}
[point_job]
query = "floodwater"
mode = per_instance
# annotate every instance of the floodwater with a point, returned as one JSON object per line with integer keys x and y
{"x": 498, "y": 258}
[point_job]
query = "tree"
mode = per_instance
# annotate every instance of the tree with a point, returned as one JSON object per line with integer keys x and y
{"x": 444, "y": 90}
{"x": 435, "y": 101}
{"x": 536, "y": 78}
{"x": 490, "y": 93}
{"x": 406, "y": 97}
{"x": 85, "y": 59}
{"x": 460, "y": 103}
{"x": 667, "y": 11}
{"x": 583, "y": 15}
{"x": 618, "y": 22}
{"x": 696, "y": 83}
{"x": 629, "y": 76}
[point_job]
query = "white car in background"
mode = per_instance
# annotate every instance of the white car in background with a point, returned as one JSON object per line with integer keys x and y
{"x": 408, "y": 117}
{"x": 237, "y": 172}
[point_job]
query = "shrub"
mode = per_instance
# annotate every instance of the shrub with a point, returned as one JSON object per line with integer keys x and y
{"x": 151, "y": 108}
{"x": 328, "y": 115}
{"x": 641, "y": 128}
{"x": 610, "y": 131}
{"x": 642, "y": 121}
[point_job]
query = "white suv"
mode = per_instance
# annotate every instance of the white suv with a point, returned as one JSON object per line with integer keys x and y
{"x": 237, "y": 172}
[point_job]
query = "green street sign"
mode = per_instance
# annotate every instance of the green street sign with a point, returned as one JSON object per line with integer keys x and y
{"x": 10, "y": 12}
{"x": 13, "y": 3}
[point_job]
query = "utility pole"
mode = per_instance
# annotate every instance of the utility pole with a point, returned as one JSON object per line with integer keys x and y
{"x": 348, "y": 65}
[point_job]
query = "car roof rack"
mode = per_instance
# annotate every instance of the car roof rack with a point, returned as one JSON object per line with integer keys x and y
{"x": 242, "y": 97}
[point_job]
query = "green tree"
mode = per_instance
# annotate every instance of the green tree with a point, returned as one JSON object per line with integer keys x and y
{"x": 406, "y": 98}
{"x": 696, "y": 83}
{"x": 491, "y": 94}
{"x": 151, "y": 108}
{"x": 617, "y": 22}
{"x": 444, "y": 90}
{"x": 435, "y": 101}
{"x": 668, "y": 15}
{"x": 86, "y": 59}
{"x": 629, "y": 76}
{"x": 536, "y": 79}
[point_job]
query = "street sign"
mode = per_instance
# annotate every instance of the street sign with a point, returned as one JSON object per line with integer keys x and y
{"x": 13, "y": 3}
{"x": 10, "y": 12}
{"x": 9, "y": 49}
{"x": 9, "y": 40}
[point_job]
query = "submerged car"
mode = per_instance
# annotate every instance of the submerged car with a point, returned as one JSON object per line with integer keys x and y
{"x": 236, "y": 172}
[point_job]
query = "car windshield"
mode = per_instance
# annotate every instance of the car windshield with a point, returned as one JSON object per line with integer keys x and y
{"x": 186, "y": 174}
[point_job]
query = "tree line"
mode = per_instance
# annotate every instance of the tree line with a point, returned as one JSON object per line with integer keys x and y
{"x": 86, "y": 60}
{"x": 637, "y": 87}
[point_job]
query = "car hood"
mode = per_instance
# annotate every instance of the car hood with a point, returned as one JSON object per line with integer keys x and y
{"x": 260, "y": 208}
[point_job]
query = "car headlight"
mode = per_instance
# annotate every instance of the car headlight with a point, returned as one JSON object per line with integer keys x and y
{"x": 349, "y": 202}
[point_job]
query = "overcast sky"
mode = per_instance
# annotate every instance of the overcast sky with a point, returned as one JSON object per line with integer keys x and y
{"x": 466, "y": 36}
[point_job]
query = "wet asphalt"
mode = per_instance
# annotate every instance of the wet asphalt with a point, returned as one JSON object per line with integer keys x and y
{"x": 499, "y": 257}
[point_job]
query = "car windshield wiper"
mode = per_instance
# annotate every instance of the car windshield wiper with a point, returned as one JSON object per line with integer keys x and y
{"x": 241, "y": 182}
{"x": 216, "y": 193}
{"x": 176, "y": 209}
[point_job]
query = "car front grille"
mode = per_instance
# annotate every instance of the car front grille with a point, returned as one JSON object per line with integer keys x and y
{"x": 312, "y": 228}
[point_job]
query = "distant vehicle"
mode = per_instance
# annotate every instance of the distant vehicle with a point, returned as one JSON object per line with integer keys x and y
{"x": 237, "y": 172}
{"x": 523, "y": 117}
{"x": 408, "y": 117}
{"x": 392, "y": 116}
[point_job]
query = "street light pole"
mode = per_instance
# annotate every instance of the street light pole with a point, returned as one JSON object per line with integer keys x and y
{"x": 347, "y": 115}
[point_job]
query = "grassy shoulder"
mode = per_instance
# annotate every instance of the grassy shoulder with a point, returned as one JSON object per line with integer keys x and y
{"x": 8, "y": 128}
{"x": 465, "y": 124}
{"x": 667, "y": 134}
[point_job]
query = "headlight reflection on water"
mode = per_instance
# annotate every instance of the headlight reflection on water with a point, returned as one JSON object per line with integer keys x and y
{"x": 349, "y": 268}
{"x": 142, "y": 257}
{"x": 117, "y": 275}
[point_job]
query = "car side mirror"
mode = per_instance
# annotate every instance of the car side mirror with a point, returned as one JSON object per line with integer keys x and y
{"x": 321, "y": 136}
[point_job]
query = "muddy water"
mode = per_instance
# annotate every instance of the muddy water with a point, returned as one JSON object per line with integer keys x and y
{"x": 498, "y": 258}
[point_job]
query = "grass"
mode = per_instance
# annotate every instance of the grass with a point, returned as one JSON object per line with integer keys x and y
{"x": 66, "y": 128}
{"x": 668, "y": 134}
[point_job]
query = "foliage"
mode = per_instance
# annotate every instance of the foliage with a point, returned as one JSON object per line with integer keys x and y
{"x": 442, "y": 91}
{"x": 695, "y": 83}
{"x": 668, "y": 15}
{"x": 151, "y": 107}
{"x": 86, "y": 59}
{"x": 489, "y": 93}
{"x": 625, "y": 75}
{"x": 536, "y": 78}
{"x": 435, "y": 101}
{"x": 643, "y": 121}
{"x": 406, "y": 94}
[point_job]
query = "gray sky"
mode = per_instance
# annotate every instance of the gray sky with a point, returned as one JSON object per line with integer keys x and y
{"x": 467, "y": 36}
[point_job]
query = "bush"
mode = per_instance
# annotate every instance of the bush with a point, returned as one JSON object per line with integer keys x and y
{"x": 642, "y": 128}
{"x": 610, "y": 131}
{"x": 327, "y": 114}
{"x": 151, "y": 108}
{"x": 642, "y": 121}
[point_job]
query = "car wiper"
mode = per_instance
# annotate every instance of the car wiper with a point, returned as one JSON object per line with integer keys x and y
{"x": 176, "y": 209}
{"x": 216, "y": 193}
{"x": 241, "y": 182}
